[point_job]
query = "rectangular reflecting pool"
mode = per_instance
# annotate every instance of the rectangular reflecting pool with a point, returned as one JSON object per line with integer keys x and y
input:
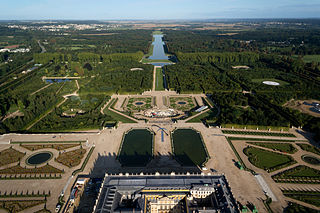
{"x": 136, "y": 148}
{"x": 188, "y": 147}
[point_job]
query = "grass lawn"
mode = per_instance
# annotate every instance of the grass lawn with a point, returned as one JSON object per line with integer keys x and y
{"x": 115, "y": 115}
{"x": 309, "y": 148}
{"x": 267, "y": 160}
{"x": 156, "y": 32}
{"x": 204, "y": 116}
{"x": 260, "y": 80}
{"x": 72, "y": 158}
{"x": 159, "y": 79}
{"x": 276, "y": 134}
{"x": 10, "y": 155}
{"x": 19, "y": 205}
{"x": 283, "y": 147}
{"x": 188, "y": 147}
{"x": 305, "y": 196}
{"x": 300, "y": 172}
{"x": 136, "y": 148}
{"x": 311, "y": 58}
{"x": 34, "y": 147}
{"x": 295, "y": 208}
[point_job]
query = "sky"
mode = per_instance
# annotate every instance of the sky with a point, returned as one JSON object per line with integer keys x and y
{"x": 156, "y": 9}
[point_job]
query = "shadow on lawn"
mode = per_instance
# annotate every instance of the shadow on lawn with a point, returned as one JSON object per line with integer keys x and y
{"x": 109, "y": 163}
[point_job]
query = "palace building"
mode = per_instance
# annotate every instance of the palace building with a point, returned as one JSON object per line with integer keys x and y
{"x": 165, "y": 194}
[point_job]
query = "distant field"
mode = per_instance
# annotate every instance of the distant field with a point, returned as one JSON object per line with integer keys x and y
{"x": 309, "y": 58}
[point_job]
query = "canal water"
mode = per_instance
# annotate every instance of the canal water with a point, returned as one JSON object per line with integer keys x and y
{"x": 158, "y": 49}
{"x": 159, "y": 54}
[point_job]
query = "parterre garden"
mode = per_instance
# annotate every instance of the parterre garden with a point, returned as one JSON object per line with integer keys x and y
{"x": 9, "y": 156}
{"x": 139, "y": 104}
{"x": 267, "y": 160}
{"x": 66, "y": 157}
{"x": 270, "y": 157}
{"x": 181, "y": 103}
{"x": 311, "y": 197}
{"x": 19, "y": 205}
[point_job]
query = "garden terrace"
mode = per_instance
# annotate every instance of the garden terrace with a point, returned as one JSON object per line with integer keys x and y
{"x": 311, "y": 197}
{"x": 267, "y": 160}
{"x": 139, "y": 103}
{"x": 189, "y": 148}
{"x": 282, "y": 147}
{"x": 10, "y": 155}
{"x": 182, "y": 103}
{"x": 298, "y": 174}
{"x": 136, "y": 149}
{"x": 71, "y": 158}
{"x": 309, "y": 148}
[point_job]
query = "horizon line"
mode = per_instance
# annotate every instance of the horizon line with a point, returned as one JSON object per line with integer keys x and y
{"x": 177, "y": 19}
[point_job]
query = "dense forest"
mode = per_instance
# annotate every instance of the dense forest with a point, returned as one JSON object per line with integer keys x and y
{"x": 284, "y": 41}
{"x": 99, "y": 77}
{"x": 240, "y": 94}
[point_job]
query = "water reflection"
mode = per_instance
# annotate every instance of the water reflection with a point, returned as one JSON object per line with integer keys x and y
{"x": 158, "y": 49}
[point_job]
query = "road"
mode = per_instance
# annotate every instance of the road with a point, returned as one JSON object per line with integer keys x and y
{"x": 43, "y": 49}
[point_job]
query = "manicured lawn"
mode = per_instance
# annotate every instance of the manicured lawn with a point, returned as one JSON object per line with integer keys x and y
{"x": 159, "y": 79}
{"x": 283, "y": 147}
{"x": 202, "y": 117}
{"x": 267, "y": 160}
{"x": 10, "y": 155}
{"x": 297, "y": 208}
{"x": 136, "y": 148}
{"x": 305, "y": 196}
{"x": 309, "y": 148}
{"x": 299, "y": 172}
{"x": 188, "y": 147}
{"x": 311, "y": 58}
{"x": 115, "y": 115}
{"x": 276, "y": 134}
{"x": 72, "y": 158}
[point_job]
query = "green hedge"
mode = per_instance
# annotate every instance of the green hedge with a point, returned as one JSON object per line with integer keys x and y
{"x": 84, "y": 162}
